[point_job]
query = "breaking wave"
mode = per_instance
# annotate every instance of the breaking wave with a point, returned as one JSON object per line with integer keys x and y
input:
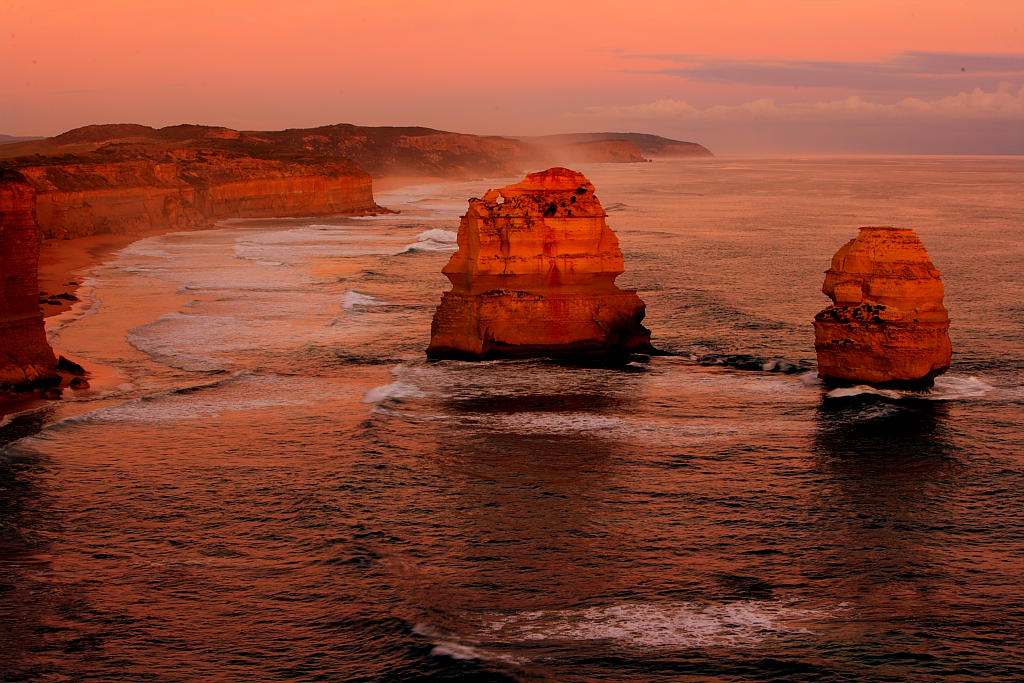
{"x": 435, "y": 240}
{"x": 947, "y": 388}
{"x": 396, "y": 391}
{"x": 353, "y": 298}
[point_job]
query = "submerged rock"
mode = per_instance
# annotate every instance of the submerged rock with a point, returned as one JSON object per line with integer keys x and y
{"x": 26, "y": 359}
{"x": 887, "y": 325}
{"x": 535, "y": 276}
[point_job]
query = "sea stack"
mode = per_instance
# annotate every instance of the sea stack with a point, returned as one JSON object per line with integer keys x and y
{"x": 535, "y": 276}
{"x": 887, "y": 325}
{"x": 26, "y": 359}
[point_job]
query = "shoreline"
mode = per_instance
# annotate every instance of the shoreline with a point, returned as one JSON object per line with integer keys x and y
{"x": 64, "y": 262}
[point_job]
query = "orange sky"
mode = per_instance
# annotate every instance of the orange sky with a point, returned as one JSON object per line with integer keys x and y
{"x": 736, "y": 74}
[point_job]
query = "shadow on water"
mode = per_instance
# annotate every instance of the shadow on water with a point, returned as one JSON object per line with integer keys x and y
{"x": 528, "y": 478}
{"x": 872, "y": 436}
{"x": 26, "y": 604}
{"x": 522, "y": 521}
{"x": 891, "y": 480}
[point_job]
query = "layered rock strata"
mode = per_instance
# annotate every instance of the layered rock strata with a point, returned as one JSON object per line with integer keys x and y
{"x": 128, "y": 191}
{"x": 535, "y": 276}
{"x": 887, "y": 325}
{"x": 25, "y": 356}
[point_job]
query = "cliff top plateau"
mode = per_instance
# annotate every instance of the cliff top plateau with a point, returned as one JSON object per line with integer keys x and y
{"x": 380, "y": 150}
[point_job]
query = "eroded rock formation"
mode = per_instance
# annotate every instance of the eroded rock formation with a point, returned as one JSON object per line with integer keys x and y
{"x": 887, "y": 325}
{"x": 535, "y": 275}
{"x": 25, "y": 355}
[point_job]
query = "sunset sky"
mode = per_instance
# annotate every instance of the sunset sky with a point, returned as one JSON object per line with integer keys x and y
{"x": 741, "y": 76}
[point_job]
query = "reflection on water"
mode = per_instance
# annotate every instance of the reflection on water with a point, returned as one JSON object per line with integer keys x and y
{"x": 280, "y": 487}
{"x": 873, "y": 437}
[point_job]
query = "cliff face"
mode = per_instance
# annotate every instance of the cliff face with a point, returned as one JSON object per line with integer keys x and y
{"x": 25, "y": 355}
{"x": 887, "y": 325}
{"x": 133, "y": 191}
{"x": 535, "y": 275}
{"x": 599, "y": 151}
{"x": 128, "y": 178}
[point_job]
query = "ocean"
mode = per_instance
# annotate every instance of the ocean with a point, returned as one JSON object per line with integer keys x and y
{"x": 269, "y": 482}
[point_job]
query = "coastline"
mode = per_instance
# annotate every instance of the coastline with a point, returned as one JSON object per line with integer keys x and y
{"x": 64, "y": 262}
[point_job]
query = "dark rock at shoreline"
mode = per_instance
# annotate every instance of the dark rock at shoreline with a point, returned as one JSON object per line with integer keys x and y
{"x": 25, "y": 354}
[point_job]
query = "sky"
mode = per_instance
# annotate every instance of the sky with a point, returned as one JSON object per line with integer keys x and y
{"x": 740, "y": 76}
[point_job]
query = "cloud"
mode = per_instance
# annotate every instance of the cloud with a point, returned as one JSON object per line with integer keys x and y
{"x": 1004, "y": 103}
{"x": 913, "y": 71}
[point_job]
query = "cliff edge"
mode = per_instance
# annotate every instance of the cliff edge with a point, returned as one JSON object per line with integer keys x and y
{"x": 25, "y": 355}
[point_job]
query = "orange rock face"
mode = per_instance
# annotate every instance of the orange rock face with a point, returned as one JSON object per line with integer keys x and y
{"x": 25, "y": 355}
{"x": 185, "y": 188}
{"x": 535, "y": 275}
{"x": 887, "y": 325}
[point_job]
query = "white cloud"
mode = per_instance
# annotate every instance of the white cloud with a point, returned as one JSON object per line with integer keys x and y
{"x": 1004, "y": 103}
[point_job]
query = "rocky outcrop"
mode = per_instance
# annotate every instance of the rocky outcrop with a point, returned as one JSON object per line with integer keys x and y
{"x": 535, "y": 276}
{"x": 887, "y": 325}
{"x": 25, "y": 355}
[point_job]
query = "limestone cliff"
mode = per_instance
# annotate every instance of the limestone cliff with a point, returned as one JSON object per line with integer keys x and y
{"x": 127, "y": 190}
{"x": 887, "y": 325}
{"x": 535, "y": 275}
{"x": 129, "y": 178}
{"x": 25, "y": 355}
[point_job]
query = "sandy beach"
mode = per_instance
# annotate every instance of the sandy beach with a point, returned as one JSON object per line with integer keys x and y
{"x": 63, "y": 263}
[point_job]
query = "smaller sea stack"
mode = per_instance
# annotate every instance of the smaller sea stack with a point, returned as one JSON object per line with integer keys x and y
{"x": 26, "y": 359}
{"x": 535, "y": 276}
{"x": 887, "y": 326}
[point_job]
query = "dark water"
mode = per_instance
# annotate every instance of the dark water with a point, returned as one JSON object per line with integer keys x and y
{"x": 269, "y": 483}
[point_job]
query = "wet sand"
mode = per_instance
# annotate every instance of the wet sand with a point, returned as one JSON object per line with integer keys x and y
{"x": 63, "y": 263}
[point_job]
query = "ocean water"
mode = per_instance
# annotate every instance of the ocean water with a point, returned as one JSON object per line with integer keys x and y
{"x": 269, "y": 482}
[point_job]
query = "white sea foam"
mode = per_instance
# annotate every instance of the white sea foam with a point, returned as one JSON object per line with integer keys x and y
{"x": 305, "y": 243}
{"x": 447, "y": 645}
{"x": 353, "y": 298}
{"x": 396, "y": 391}
{"x": 438, "y": 235}
{"x": 435, "y": 240}
{"x": 688, "y": 625}
{"x": 947, "y": 388}
{"x": 241, "y": 391}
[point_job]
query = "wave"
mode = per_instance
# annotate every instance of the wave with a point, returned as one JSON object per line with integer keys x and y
{"x": 353, "y": 298}
{"x": 448, "y": 645}
{"x": 947, "y": 388}
{"x": 238, "y": 391}
{"x": 744, "y": 361}
{"x": 394, "y": 392}
{"x": 435, "y": 240}
{"x": 689, "y": 625}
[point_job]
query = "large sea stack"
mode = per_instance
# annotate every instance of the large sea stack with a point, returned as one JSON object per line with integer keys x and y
{"x": 887, "y": 325}
{"x": 25, "y": 356}
{"x": 535, "y": 276}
